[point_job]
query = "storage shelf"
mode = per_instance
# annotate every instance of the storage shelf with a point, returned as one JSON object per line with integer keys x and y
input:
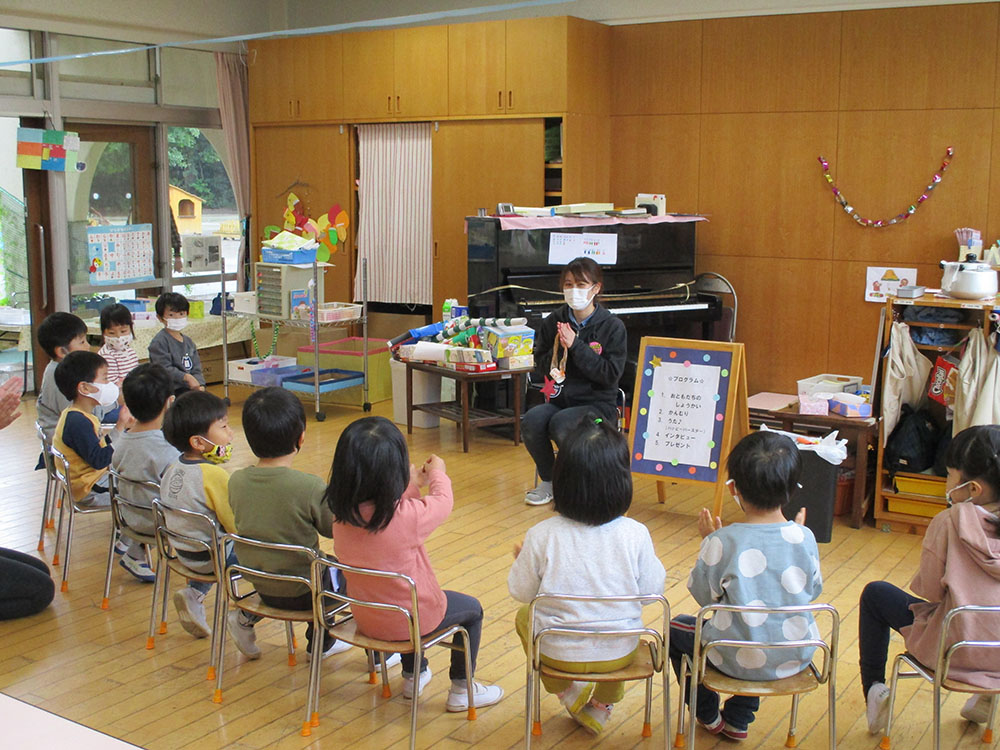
{"x": 294, "y": 322}
{"x": 954, "y": 326}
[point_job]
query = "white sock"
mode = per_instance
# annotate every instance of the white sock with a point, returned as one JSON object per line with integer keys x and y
{"x": 459, "y": 686}
{"x": 544, "y": 486}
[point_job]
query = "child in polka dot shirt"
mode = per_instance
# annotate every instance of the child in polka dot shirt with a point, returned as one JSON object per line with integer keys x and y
{"x": 762, "y": 560}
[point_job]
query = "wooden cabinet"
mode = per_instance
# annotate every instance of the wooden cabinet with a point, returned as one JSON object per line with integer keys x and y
{"x": 400, "y": 74}
{"x": 312, "y": 161}
{"x": 536, "y": 65}
{"x": 462, "y": 153}
{"x": 298, "y": 79}
{"x": 912, "y": 510}
{"x": 477, "y": 79}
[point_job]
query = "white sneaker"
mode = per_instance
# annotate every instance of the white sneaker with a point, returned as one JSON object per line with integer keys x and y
{"x": 335, "y": 647}
{"x": 121, "y": 546}
{"x": 977, "y": 708}
{"x": 541, "y": 495}
{"x": 576, "y": 696}
{"x": 482, "y": 695}
{"x": 138, "y": 568}
{"x": 190, "y": 607}
{"x": 244, "y": 636}
{"x": 425, "y": 677}
{"x": 878, "y": 707}
{"x": 390, "y": 662}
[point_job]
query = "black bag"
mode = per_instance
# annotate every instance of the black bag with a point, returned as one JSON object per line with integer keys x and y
{"x": 913, "y": 444}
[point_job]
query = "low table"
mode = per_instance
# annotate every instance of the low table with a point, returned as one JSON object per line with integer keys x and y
{"x": 459, "y": 410}
{"x": 862, "y": 430}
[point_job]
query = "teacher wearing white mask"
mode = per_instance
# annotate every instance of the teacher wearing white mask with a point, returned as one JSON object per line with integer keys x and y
{"x": 579, "y": 357}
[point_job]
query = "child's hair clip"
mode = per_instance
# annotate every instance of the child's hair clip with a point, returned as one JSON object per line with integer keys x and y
{"x": 598, "y": 420}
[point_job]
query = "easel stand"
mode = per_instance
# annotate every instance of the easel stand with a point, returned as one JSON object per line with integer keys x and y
{"x": 689, "y": 407}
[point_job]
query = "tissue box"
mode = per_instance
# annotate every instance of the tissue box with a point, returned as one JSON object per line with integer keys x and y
{"x": 829, "y": 383}
{"x": 518, "y": 362}
{"x": 245, "y": 302}
{"x": 508, "y": 341}
{"x": 816, "y": 404}
{"x": 467, "y": 355}
{"x": 850, "y": 405}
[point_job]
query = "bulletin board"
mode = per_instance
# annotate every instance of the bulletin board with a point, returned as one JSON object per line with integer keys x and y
{"x": 120, "y": 254}
{"x": 689, "y": 407}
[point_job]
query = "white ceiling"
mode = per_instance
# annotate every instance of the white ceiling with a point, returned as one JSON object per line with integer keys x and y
{"x": 176, "y": 20}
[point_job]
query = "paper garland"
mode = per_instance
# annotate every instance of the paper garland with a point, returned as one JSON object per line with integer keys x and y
{"x": 878, "y": 223}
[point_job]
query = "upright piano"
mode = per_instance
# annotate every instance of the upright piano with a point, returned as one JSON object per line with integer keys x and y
{"x": 650, "y": 287}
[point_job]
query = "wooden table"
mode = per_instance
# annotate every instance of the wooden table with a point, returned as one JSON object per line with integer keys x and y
{"x": 863, "y": 431}
{"x": 459, "y": 410}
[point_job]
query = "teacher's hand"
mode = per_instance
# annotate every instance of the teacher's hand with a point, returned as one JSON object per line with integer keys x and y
{"x": 10, "y": 400}
{"x": 566, "y": 334}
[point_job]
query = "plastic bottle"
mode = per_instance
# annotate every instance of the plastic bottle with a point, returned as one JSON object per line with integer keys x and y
{"x": 446, "y": 308}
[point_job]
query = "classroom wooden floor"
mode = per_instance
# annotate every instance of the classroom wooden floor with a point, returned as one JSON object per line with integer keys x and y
{"x": 91, "y": 665}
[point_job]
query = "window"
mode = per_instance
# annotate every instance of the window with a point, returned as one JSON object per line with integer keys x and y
{"x": 126, "y": 77}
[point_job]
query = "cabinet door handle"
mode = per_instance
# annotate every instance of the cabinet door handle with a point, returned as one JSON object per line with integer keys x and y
{"x": 510, "y": 100}
{"x": 435, "y": 250}
{"x": 500, "y": 100}
{"x": 298, "y": 107}
{"x": 388, "y": 104}
{"x": 291, "y": 112}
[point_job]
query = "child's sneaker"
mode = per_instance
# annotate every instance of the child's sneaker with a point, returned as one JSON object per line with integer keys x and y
{"x": 425, "y": 677}
{"x": 138, "y": 568}
{"x": 190, "y": 607}
{"x": 977, "y": 708}
{"x": 333, "y": 647}
{"x": 482, "y": 695}
{"x": 732, "y": 732}
{"x": 715, "y": 726}
{"x": 594, "y": 716}
{"x": 243, "y": 635}
{"x": 576, "y": 696}
{"x": 121, "y": 546}
{"x": 540, "y": 495}
{"x": 878, "y": 707}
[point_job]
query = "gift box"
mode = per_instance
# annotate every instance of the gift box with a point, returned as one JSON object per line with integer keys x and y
{"x": 471, "y": 366}
{"x": 850, "y": 405}
{"x": 518, "y": 362}
{"x": 508, "y": 341}
{"x": 467, "y": 355}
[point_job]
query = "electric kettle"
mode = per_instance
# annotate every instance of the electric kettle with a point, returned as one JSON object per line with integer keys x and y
{"x": 968, "y": 279}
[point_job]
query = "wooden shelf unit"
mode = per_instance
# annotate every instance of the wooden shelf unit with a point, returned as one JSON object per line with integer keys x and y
{"x": 978, "y": 316}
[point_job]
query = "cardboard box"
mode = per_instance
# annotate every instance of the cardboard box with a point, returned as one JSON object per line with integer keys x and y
{"x": 829, "y": 383}
{"x": 240, "y": 369}
{"x": 508, "y": 341}
{"x": 245, "y": 302}
{"x": 850, "y": 405}
{"x": 466, "y": 354}
{"x": 471, "y": 366}
{"x": 519, "y": 362}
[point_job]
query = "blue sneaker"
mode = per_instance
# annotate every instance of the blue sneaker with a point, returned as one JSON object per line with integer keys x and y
{"x": 138, "y": 568}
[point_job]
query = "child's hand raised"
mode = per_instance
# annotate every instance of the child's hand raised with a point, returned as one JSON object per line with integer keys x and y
{"x": 125, "y": 419}
{"x": 433, "y": 463}
{"x": 800, "y": 517}
{"x": 707, "y": 524}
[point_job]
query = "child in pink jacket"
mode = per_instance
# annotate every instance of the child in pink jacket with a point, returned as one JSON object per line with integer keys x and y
{"x": 959, "y": 565}
{"x": 381, "y": 521}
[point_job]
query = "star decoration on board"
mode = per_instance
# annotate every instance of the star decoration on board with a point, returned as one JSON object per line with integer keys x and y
{"x": 548, "y": 388}
{"x": 656, "y": 362}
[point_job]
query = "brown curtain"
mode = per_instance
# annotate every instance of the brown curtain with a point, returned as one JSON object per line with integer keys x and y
{"x": 231, "y": 78}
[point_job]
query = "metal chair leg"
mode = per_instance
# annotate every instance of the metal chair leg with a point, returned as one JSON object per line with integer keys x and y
{"x": 937, "y": 715}
{"x": 790, "y": 740}
{"x": 59, "y": 526}
{"x": 312, "y": 715}
{"x": 217, "y": 697}
{"x": 886, "y": 742}
{"x": 46, "y": 510}
{"x": 469, "y": 676}
{"x": 158, "y": 583}
{"x": 988, "y": 732}
{"x": 529, "y": 703}
{"x": 647, "y": 727}
{"x": 290, "y": 640}
{"x": 679, "y": 739}
{"x": 415, "y": 700}
{"x": 105, "y": 602}
{"x": 164, "y": 593}
{"x": 69, "y": 545}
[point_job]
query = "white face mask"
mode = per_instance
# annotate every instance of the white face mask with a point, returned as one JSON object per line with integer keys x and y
{"x": 947, "y": 495}
{"x": 576, "y": 298}
{"x": 118, "y": 342}
{"x": 107, "y": 393}
{"x": 177, "y": 324}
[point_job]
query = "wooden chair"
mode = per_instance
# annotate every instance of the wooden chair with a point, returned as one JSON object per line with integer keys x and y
{"x": 251, "y": 602}
{"x": 938, "y": 677}
{"x": 49, "y": 503}
{"x": 167, "y": 543}
{"x": 805, "y": 681}
{"x": 120, "y": 527}
{"x": 341, "y": 624}
{"x": 64, "y": 491}
{"x": 648, "y": 661}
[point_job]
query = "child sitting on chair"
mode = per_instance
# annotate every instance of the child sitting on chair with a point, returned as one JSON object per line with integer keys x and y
{"x": 171, "y": 349}
{"x": 762, "y": 560}
{"x": 592, "y": 488}
{"x": 116, "y": 327}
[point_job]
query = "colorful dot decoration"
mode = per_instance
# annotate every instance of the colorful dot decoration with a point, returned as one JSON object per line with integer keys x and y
{"x": 707, "y": 358}
{"x": 673, "y": 462}
{"x": 711, "y": 443}
{"x": 650, "y": 393}
{"x": 647, "y": 372}
{"x": 719, "y": 417}
{"x": 643, "y": 411}
{"x": 673, "y": 355}
{"x": 645, "y": 436}
{"x": 692, "y": 470}
{"x": 638, "y": 456}
{"x": 713, "y": 465}
{"x": 716, "y": 397}
{"x": 659, "y": 467}
{"x": 687, "y": 362}
{"x": 724, "y": 373}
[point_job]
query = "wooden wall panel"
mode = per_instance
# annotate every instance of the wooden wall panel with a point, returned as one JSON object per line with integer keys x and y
{"x": 588, "y": 49}
{"x": 884, "y": 162}
{"x": 993, "y": 216}
{"x": 771, "y": 63}
{"x": 784, "y": 316}
{"x": 478, "y": 164}
{"x": 656, "y": 154}
{"x": 313, "y": 161}
{"x": 656, "y": 68}
{"x": 758, "y": 189}
{"x": 586, "y": 158}
{"x": 936, "y": 57}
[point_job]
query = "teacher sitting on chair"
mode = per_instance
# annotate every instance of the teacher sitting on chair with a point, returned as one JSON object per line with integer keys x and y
{"x": 579, "y": 358}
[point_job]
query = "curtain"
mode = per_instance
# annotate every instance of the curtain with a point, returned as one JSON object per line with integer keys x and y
{"x": 231, "y": 79}
{"x": 394, "y": 222}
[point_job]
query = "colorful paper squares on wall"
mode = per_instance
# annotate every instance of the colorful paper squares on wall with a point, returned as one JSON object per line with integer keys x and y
{"x": 51, "y": 150}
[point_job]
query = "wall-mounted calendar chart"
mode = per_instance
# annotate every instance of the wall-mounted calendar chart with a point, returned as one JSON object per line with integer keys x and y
{"x": 120, "y": 254}
{"x": 688, "y": 408}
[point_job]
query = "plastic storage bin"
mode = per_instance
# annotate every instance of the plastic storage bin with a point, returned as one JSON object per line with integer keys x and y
{"x": 275, "y": 255}
{"x": 345, "y": 354}
{"x": 829, "y": 383}
{"x": 426, "y": 389}
{"x": 275, "y": 375}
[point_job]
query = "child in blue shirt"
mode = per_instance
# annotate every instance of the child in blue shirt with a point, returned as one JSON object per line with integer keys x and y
{"x": 764, "y": 560}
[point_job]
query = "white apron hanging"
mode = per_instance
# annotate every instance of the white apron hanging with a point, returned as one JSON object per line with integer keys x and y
{"x": 905, "y": 380}
{"x": 971, "y": 371}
